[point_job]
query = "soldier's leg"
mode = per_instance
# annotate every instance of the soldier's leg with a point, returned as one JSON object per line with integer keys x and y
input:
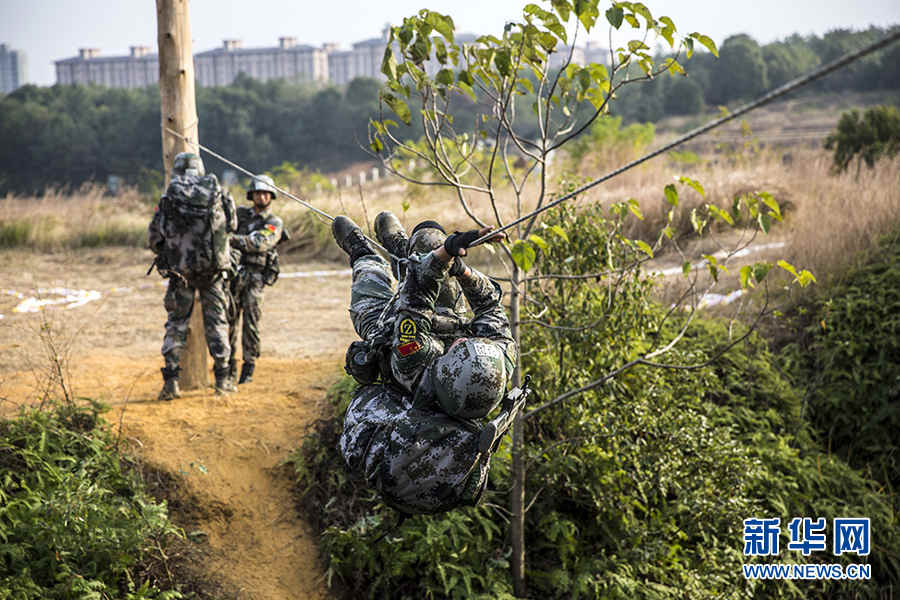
{"x": 214, "y": 299}
{"x": 370, "y": 292}
{"x": 234, "y": 318}
{"x": 252, "y": 299}
{"x": 179, "y": 304}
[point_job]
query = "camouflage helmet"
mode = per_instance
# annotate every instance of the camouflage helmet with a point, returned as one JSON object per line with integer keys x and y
{"x": 262, "y": 183}
{"x": 470, "y": 379}
{"x": 426, "y": 236}
{"x": 188, "y": 161}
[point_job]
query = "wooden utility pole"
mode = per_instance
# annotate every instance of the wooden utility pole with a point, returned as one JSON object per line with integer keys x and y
{"x": 179, "y": 113}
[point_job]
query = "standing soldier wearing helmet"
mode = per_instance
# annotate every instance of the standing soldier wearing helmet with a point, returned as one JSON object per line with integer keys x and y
{"x": 253, "y": 250}
{"x": 189, "y": 236}
{"x": 416, "y": 428}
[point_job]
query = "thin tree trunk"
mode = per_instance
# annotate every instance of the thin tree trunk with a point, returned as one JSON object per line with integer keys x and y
{"x": 517, "y": 495}
{"x": 179, "y": 113}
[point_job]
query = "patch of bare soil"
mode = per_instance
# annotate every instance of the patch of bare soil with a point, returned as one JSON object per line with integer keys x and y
{"x": 226, "y": 451}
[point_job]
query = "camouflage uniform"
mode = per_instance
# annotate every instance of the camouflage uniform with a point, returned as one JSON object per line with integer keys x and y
{"x": 418, "y": 457}
{"x": 180, "y": 266}
{"x": 253, "y": 250}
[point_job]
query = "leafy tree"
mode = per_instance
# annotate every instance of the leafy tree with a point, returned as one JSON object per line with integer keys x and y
{"x": 787, "y": 60}
{"x": 684, "y": 97}
{"x": 512, "y": 75}
{"x": 868, "y": 139}
{"x": 740, "y": 71}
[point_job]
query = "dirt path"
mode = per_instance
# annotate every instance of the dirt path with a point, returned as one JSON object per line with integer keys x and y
{"x": 225, "y": 451}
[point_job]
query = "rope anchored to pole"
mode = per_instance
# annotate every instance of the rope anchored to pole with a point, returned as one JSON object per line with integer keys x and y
{"x": 306, "y": 204}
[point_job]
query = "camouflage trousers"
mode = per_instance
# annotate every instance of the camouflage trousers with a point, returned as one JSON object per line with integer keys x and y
{"x": 247, "y": 290}
{"x": 215, "y": 300}
{"x": 370, "y": 293}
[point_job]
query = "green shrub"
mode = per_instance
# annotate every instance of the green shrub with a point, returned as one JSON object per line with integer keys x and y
{"x": 847, "y": 360}
{"x": 75, "y": 521}
{"x": 638, "y": 488}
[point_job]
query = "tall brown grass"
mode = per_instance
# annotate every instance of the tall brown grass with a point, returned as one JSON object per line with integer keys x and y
{"x": 829, "y": 220}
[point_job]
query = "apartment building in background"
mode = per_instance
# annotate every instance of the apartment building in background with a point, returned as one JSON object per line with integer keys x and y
{"x": 138, "y": 69}
{"x": 12, "y": 69}
{"x": 288, "y": 60}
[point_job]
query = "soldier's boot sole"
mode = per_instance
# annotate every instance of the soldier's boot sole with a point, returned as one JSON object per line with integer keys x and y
{"x": 390, "y": 233}
{"x": 350, "y": 238}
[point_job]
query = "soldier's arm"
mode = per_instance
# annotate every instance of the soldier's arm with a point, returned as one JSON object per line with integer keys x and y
{"x": 490, "y": 321}
{"x": 154, "y": 233}
{"x": 414, "y": 345}
{"x": 261, "y": 240}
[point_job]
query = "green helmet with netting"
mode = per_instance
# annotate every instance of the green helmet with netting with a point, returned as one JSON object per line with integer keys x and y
{"x": 262, "y": 183}
{"x": 470, "y": 379}
{"x": 188, "y": 161}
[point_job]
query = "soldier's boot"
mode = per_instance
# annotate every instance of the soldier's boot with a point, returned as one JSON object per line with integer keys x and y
{"x": 246, "y": 372}
{"x": 170, "y": 389}
{"x": 232, "y": 370}
{"x": 350, "y": 238}
{"x": 390, "y": 234}
{"x": 224, "y": 382}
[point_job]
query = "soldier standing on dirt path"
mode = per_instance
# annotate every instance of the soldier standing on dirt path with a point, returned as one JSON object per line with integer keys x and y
{"x": 189, "y": 236}
{"x": 253, "y": 251}
{"x": 411, "y": 429}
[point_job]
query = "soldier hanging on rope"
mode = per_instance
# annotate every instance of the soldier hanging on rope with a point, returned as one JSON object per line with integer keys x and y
{"x": 189, "y": 236}
{"x": 415, "y": 428}
{"x": 254, "y": 253}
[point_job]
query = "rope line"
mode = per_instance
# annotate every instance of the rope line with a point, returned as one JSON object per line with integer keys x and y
{"x": 283, "y": 191}
{"x": 780, "y": 91}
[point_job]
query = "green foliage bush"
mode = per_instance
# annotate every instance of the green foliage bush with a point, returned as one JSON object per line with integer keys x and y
{"x": 75, "y": 521}
{"x": 638, "y": 488}
{"x": 870, "y": 138}
{"x": 846, "y": 360}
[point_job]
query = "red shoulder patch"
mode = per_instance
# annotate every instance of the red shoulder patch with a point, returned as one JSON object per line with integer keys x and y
{"x": 409, "y": 348}
{"x": 271, "y": 227}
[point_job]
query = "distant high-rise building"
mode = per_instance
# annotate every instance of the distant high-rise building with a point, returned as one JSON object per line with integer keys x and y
{"x": 363, "y": 60}
{"x": 138, "y": 69}
{"x": 287, "y": 60}
{"x": 12, "y": 69}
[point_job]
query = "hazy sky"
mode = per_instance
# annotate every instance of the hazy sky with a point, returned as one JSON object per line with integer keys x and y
{"x": 48, "y": 30}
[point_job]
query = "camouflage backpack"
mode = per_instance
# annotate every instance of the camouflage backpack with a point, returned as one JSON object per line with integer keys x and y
{"x": 420, "y": 459}
{"x": 195, "y": 228}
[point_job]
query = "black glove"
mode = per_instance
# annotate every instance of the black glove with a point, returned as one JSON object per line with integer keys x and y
{"x": 457, "y": 268}
{"x": 457, "y": 242}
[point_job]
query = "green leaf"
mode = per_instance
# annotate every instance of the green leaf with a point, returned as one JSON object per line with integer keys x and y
{"x": 633, "y": 21}
{"x": 614, "y": 15}
{"x": 760, "y": 270}
{"x": 443, "y": 24}
{"x": 788, "y": 267}
{"x": 563, "y": 7}
{"x": 765, "y": 221}
{"x": 671, "y": 194}
{"x": 399, "y": 107}
{"x": 645, "y": 247}
{"x": 376, "y": 145}
{"x": 693, "y": 184}
{"x": 689, "y": 44}
{"x": 686, "y": 267}
{"x": 635, "y": 208}
{"x": 706, "y": 41}
{"x": 669, "y": 232}
{"x": 503, "y": 62}
{"x": 769, "y": 201}
{"x": 444, "y": 77}
{"x": 746, "y": 273}
{"x": 404, "y": 205}
{"x": 526, "y": 83}
{"x": 538, "y": 241}
{"x": 696, "y": 222}
{"x": 635, "y": 45}
{"x": 558, "y": 230}
{"x": 674, "y": 67}
{"x": 389, "y": 64}
{"x": 587, "y": 12}
{"x": 523, "y": 255}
